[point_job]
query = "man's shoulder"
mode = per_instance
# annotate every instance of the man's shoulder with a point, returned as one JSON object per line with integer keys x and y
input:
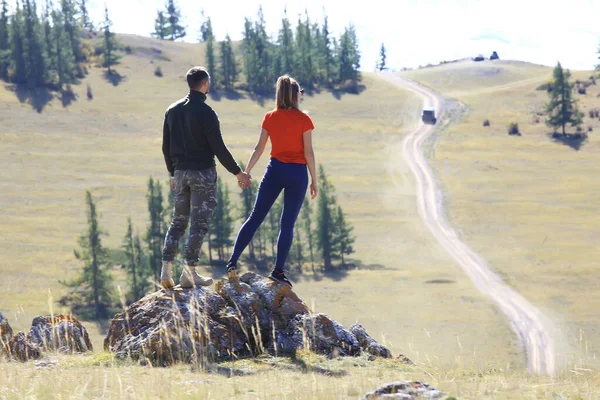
{"x": 177, "y": 103}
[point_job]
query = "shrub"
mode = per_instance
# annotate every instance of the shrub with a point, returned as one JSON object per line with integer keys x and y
{"x": 581, "y": 90}
{"x": 128, "y": 49}
{"x": 545, "y": 86}
{"x": 513, "y": 129}
{"x": 90, "y": 95}
{"x": 158, "y": 72}
{"x": 579, "y": 129}
{"x": 486, "y": 122}
{"x": 590, "y": 128}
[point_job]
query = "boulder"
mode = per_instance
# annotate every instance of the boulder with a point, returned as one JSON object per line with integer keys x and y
{"x": 368, "y": 344}
{"x": 405, "y": 391}
{"x": 242, "y": 317}
{"x": 21, "y": 349}
{"x": 62, "y": 333}
{"x": 6, "y": 332}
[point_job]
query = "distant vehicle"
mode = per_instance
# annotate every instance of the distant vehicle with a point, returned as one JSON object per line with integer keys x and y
{"x": 480, "y": 57}
{"x": 428, "y": 115}
{"x": 494, "y": 56}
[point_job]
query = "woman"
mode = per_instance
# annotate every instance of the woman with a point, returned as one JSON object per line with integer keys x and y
{"x": 290, "y": 132}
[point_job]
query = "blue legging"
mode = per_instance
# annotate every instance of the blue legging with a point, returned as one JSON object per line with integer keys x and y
{"x": 293, "y": 180}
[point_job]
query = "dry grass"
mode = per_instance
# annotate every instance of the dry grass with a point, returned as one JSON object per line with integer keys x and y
{"x": 527, "y": 204}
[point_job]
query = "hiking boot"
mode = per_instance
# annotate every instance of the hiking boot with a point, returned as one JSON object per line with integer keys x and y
{"x": 166, "y": 275}
{"x": 279, "y": 276}
{"x": 190, "y": 278}
{"x": 232, "y": 271}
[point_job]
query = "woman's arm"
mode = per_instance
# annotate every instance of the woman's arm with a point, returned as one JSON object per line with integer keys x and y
{"x": 309, "y": 154}
{"x": 258, "y": 150}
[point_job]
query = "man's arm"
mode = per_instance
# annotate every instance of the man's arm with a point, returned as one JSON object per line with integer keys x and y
{"x": 166, "y": 146}
{"x": 216, "y": 143}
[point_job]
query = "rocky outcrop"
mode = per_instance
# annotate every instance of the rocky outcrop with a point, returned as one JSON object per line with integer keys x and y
{"x": 62, "y": 333}
{"x": 6, "y": 332}
{"x": 242, "y": 317}
{"x": 405, "y": 391}
{"x": 368, "y": 343}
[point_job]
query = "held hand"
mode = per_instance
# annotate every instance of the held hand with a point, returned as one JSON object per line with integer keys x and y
{"x": 172, "y": 183}
{"x": 244, "y": 180}
{"x": 314, "y": 191}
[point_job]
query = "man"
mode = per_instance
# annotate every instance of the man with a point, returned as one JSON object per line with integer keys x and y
{"x": 191, "y": 140}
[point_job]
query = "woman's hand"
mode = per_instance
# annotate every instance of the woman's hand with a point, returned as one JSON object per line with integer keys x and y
{"x": 313, "y": 191}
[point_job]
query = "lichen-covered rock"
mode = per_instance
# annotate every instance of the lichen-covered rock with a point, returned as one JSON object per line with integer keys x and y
{"x": 21, "y": 349}
{"x": 6, "y": 332}
{"x": 63, "y": 333}
{"x": 368, "y": 344}
{"x": 405, "y": 391}
{"x": 241, "y": 317}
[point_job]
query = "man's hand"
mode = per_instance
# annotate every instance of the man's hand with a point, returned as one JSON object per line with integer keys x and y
{"x": 172, "y": 183}
{"x": 244, "y": 180}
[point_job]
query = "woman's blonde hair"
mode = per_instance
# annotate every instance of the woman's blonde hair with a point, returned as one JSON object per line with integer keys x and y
{"x": 287, "y": 93}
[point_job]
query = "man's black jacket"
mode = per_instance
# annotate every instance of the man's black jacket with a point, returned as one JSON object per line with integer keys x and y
{"x": 192, "y": 136}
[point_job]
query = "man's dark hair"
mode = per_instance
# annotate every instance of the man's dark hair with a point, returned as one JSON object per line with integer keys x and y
{"x": 196, "y": 76}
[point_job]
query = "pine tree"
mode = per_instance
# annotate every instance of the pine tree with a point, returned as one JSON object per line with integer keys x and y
{"x": 71, "y": 27}
{"x": 161, "y": 30}
{"x": 138, "y": 276}
{"x": 325, "y": 49}
{"x": 562, "y": 109}
{"x": 36, "y": 63}
{"x": 64, "y": 58}
{"x": 308, "y": 230}
{"x": 176, "y": 31}
{"x": 211, "y": 61}
{"x": 5, "y": 53}
{"x": 286, "y": 47}
{"x": 250, "y": 54}
{"x": 155, "y": 232}
{"x": 345, "y": 239}
{"x": 205, "y": 28}
{"x": 222, "y": 221}
{"x": 382, "y": 56}
{"x": 326, "y": 227}
{"x": 344, "y": 54}
{"x": 93, "y": 286}
{"x": 228, "y": 64}
{"x": 49, "y": 44}
{"x": 84, "y": 19}
{"x": 354, "y": 52}
{"x": 110, "y": 44}
{"x": 17, "y": 39}
{"x": 263, "y": 53}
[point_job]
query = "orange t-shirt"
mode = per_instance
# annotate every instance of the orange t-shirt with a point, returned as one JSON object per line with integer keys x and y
{"x": 285, "y": 129}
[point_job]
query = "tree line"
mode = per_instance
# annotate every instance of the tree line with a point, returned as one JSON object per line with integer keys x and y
{"x": 322, "y": 237}
{"x": 308, "y": 51}
{"x": 46, "y": 49}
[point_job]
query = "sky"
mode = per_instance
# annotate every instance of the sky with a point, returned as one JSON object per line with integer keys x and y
{"x": 414, "y": 32}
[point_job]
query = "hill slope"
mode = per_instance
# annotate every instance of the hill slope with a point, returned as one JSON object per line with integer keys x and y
{"x": 527, "y": 204}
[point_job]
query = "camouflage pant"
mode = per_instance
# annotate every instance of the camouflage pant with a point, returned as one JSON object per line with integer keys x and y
{"x": 195, "y": 201}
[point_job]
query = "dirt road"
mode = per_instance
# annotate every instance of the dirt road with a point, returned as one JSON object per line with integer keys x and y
{"x": 530, "y": 325}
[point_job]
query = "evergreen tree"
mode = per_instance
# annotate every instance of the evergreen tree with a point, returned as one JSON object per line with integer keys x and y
{"x": 263, "y": 53}
{"x": 211, "y": 61}
{"x": 176, "y": 30}
{"x": 274, "y": 217}
{"x": 205, "y": 28}
{"x": 156, "y": 231}
{"x": 286, "y": 47}
{"x": 222, "y": 222}
{"x": 5, "y": 53}
{"x": 84, "y": 19}
{"x": 17, "y": 39}
{"x": 161, "y": 30}
{"x": 296, "y": 252}
{"x": 354, "y": 52}
{"x": 308, "y": 230}
{"x": 36, "y": 63}
{"x": 325, "y": 49}
{"x": 562, "y": 108}
{"x": 64, "y": 58}
{"x": 382, "y": 56}
{"x": 49, "y": 43}
{"x": 250, "y": 54}
{"x": 228, "y": 64}
{"x": 349, "y": 56}
{"x": 93, "y": 286}
{"x": 110, "y": 44}
{"x": 304, "y": 52}
{"x": 71, "y": 27}
{"x": 345, "y": 240}
{"x": 138, "y": 277}
{"x": 326, "y": 226}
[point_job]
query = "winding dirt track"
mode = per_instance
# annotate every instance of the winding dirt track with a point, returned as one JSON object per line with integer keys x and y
{"x": 530, "y": 325}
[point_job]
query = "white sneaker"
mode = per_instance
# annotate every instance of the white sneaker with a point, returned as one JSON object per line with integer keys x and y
{"x": 190, "y": 278}
{"x": 166, "y": 275}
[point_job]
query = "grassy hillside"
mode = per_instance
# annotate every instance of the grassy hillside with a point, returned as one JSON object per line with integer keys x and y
{"x": 527, "y": 204}
{"x": 111, "y": 144}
